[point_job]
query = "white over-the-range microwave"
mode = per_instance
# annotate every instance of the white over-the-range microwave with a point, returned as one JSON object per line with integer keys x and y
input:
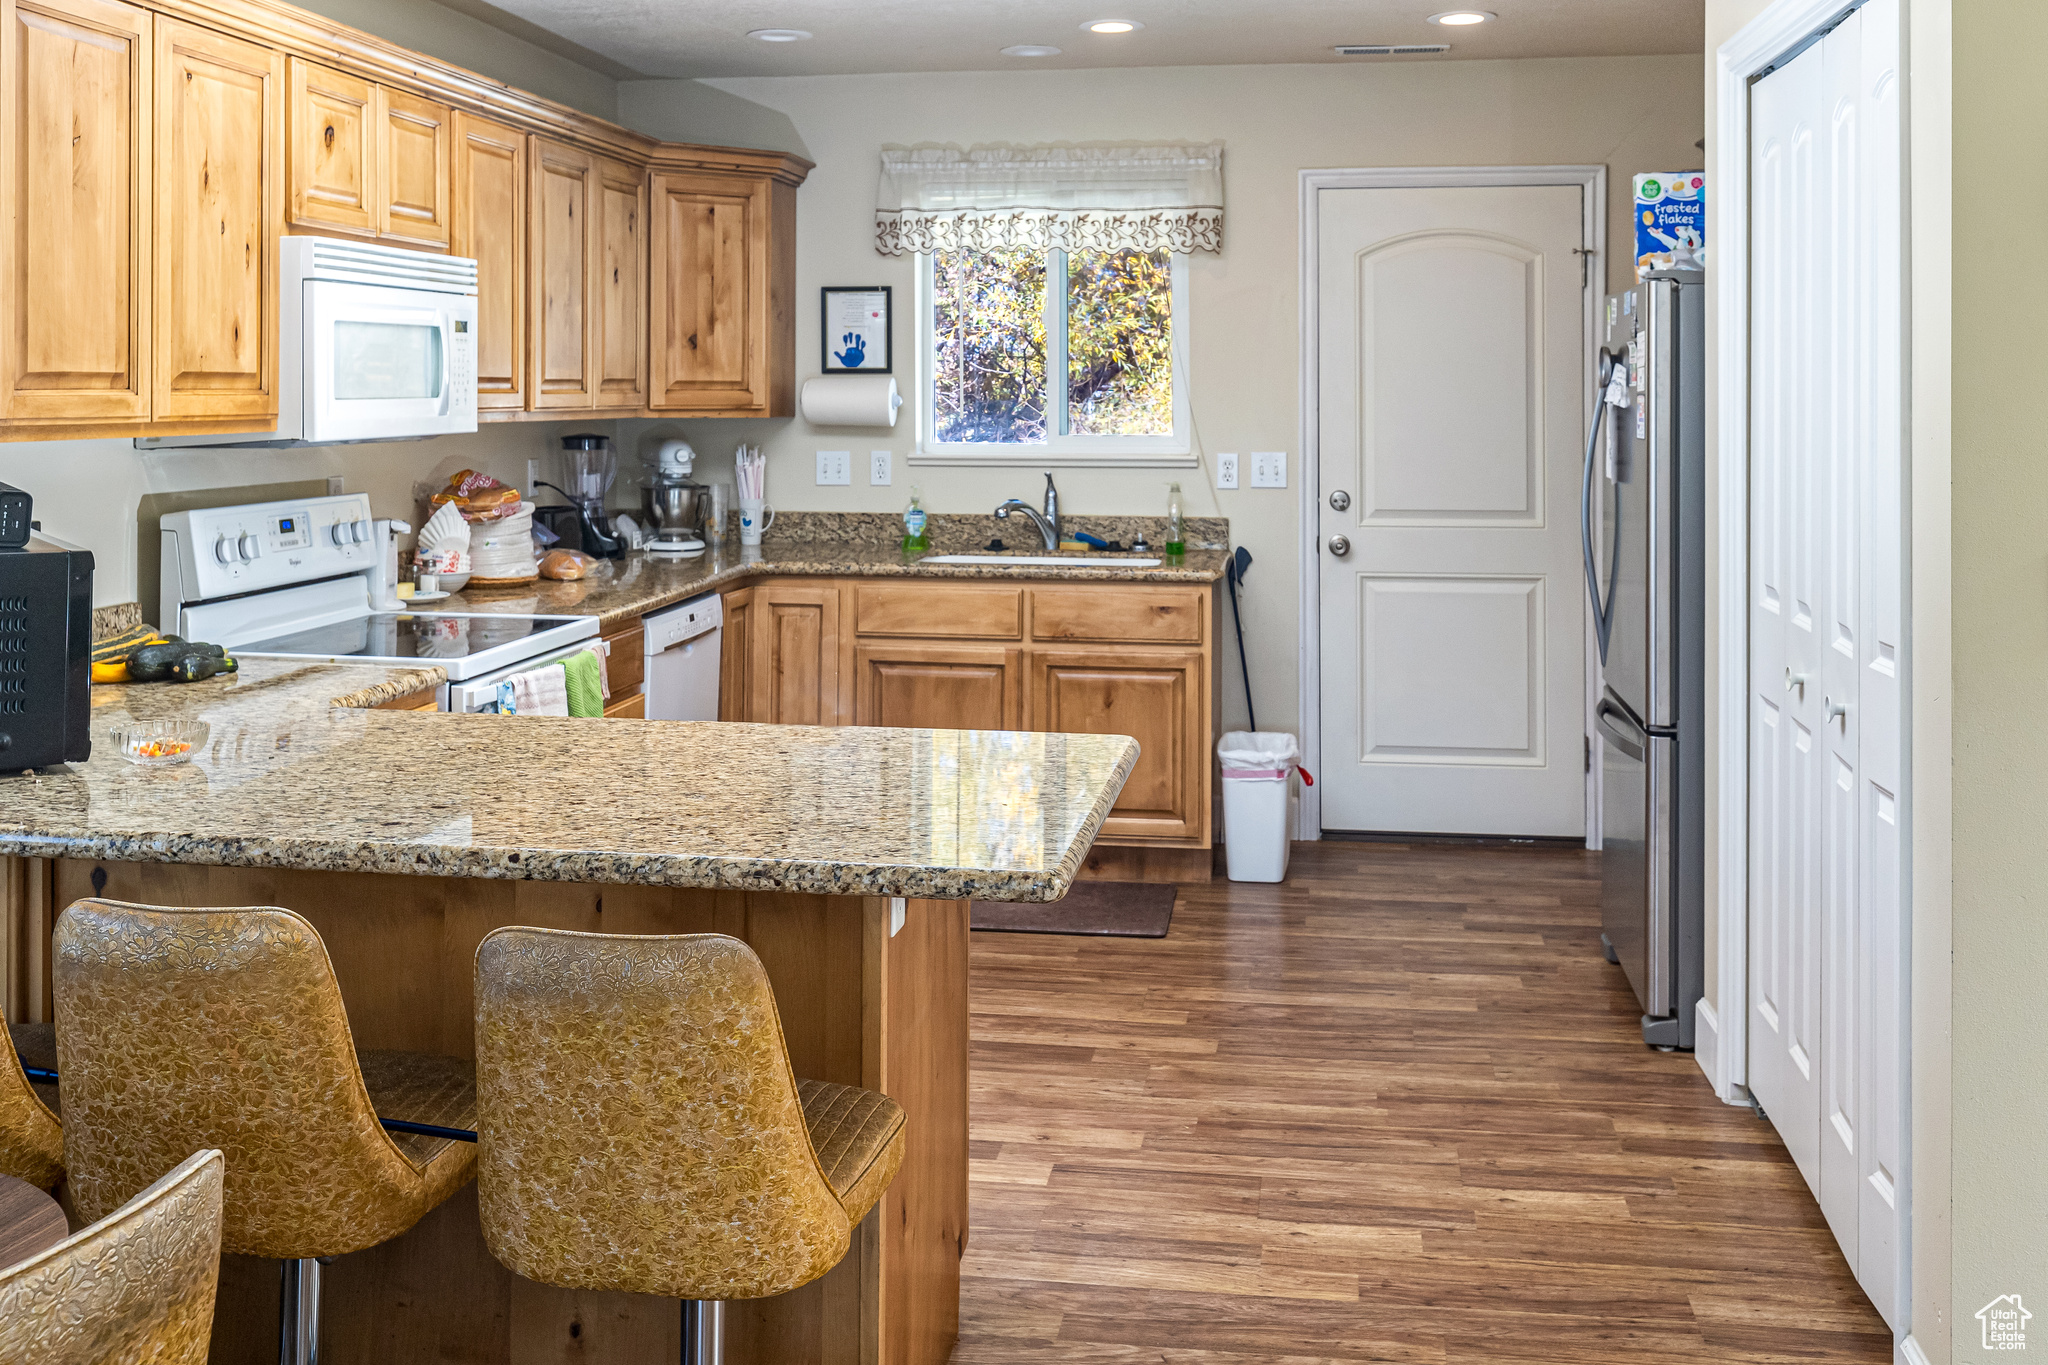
{"x": 375, "y": 343}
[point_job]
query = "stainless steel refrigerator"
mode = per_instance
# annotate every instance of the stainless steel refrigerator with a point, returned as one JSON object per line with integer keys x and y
{"x": 1646, "y": 574}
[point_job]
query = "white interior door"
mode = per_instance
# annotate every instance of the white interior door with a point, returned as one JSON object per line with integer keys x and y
{"x": 1827, "y": 958}
{"x": 1452, "y": 377}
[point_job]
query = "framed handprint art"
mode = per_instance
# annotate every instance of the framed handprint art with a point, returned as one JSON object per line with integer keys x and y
{"x": 855, "y": 329}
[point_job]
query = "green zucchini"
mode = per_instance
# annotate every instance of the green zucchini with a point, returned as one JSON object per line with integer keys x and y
{"x": 153, "y": 663}
{"x": 199, "y": 667}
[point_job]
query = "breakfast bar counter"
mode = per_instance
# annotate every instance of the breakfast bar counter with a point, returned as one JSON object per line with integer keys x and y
{"x": 844, "y": 857}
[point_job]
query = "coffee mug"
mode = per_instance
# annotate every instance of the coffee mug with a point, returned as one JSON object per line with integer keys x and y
{"x": 751, "y": 524}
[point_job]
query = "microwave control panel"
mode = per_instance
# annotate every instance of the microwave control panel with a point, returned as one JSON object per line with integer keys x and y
{"x": 219, "y": 551}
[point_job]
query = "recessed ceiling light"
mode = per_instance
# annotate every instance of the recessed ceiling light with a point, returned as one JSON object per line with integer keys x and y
{"x": 1030, "y": 50}
{"x": 780, "y": 35}
{"x": 1112, "y": 25}
{"x": 1458, "y": 18}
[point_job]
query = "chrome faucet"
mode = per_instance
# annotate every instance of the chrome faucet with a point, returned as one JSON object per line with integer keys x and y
{"x": 1048, "y": 522}
{"x": 1031, "y": 514}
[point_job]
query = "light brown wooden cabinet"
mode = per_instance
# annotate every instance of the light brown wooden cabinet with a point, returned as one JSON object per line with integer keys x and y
{"x": 75, "y": 120}
{"x": 364, "y": 160}
{"x": 1075, "y": 658}
{"x": 219, "y": 195}
{"x": 150, "y": 160}
{"x": 487, "y": 199}
{"x": 724, "y": 339}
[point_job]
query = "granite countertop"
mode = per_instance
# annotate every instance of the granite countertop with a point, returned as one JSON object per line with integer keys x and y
{"x": 288, "y": 778}
{"x": 836, "y": 546}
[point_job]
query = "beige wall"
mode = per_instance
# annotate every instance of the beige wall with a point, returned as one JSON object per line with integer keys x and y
{"x": 1629, "y": 113}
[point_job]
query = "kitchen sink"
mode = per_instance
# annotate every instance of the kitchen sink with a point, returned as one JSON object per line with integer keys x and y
{"x": 1055, "y": 561}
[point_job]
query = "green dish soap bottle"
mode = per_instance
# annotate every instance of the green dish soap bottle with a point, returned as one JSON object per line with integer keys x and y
{"x": 1176, "y": 522}
{"x": 915, "y": 541}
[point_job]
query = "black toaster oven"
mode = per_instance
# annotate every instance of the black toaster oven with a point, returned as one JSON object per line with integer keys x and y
{"x": 45, "y": 655}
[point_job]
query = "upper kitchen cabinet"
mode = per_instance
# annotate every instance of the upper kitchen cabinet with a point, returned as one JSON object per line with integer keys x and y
{"x": 414, "y": 141}
{"x": 723, "y": 284}
{"x": 331, "y": 129}
{"x": 219, "y": 207}
{"x": 621, "y": 293}
{"x": 488, "y": 224}
{"x": 561, "y": 371}
{"x": 75, "y": 116}
{"x": 366, "y": 160}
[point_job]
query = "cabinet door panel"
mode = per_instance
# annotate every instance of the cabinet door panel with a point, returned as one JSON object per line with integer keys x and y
{"x": 622, "y": 285}
{"x": 487, "y": 194}
{"x": 795, "y": 641}
{"x": 938, "y": 609}
{"x": 75, "y": 108}
{"x": 710, "y": 277}
{"x": 1125, "y": 615}
{"x": 1159, "y": 698}
{"x": 563, "y": 368}
{"x": 332, "y": 162}
{"x": 219, "y": 210}
{"x": 413, "y": 151}
{"x": 736, "y": 657}
{"x": 918, "y": 685}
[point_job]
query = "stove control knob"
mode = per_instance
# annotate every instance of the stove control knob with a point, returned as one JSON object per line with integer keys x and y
{"x": 248, "y": 547}
{"x": 224, "y": 549}
{"x": 339, "y": 532}
{"x": 361, "y": 531}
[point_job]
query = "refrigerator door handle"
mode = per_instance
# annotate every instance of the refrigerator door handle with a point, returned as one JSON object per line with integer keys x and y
{"x": 1603, "y": 613}
{"x": 1619, "y": 729}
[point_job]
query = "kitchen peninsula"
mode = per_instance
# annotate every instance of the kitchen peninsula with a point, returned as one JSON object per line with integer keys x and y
{"x": 845, "y": 857}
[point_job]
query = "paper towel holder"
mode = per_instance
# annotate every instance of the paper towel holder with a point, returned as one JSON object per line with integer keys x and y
{"x": 850, "y": 400}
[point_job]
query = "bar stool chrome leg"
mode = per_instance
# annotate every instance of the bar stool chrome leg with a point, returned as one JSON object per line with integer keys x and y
{"x": 703, "y": 1332}
{"x": 299, "y": 1314}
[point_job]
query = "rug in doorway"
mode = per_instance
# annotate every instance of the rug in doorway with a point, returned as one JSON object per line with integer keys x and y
{"x": 1106, "y": 909}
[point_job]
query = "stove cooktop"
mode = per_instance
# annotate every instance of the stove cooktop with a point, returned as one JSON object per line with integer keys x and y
{"x": 457, "y": 642}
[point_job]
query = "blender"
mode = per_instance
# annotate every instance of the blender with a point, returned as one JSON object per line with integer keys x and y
{"x": 590, "y": 469}
{"x": 676, "y": 506}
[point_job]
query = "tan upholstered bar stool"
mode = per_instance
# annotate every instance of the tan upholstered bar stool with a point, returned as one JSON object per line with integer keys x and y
{"x": 31, "y": 1141}
{"x": 137, "y": 1285}
{"x": 640, "y": 1128}
{"x": 179, "y": 1029}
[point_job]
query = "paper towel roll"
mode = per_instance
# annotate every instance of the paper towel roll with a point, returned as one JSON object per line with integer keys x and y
{"x": 851, "y": 400}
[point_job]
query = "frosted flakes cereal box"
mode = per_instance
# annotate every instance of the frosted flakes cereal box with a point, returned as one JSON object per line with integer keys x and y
{"x": 1671, "y": 222}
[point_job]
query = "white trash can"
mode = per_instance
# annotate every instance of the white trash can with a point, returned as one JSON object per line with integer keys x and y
{"x": 1258, "y": 786}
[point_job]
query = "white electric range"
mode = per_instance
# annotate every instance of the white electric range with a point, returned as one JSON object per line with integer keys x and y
{"x": 311, "y": 579}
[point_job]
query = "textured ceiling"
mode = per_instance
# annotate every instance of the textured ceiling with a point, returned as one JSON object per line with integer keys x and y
{"x": 708, "y": 37}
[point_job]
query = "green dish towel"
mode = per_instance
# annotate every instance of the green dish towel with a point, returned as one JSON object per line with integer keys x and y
{"x": 586, "y": 686}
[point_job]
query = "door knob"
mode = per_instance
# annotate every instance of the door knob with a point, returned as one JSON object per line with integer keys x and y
{"x": 1836, "y": 709}
{"x": 1793, "y": 680}
{"x": 1340, "y": 546}
{"x": 1340, "y": 500}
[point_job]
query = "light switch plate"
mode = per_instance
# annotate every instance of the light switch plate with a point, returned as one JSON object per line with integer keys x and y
{"x": 835, "y": 466}
{"x": 878, "y": 468}
{"x": 1226, "y": 471}
{"x": 1269, "y": 469}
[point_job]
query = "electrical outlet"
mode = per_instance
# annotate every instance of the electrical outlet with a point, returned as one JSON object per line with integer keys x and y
{"x": 1269, "y": 469}
{"x": 835, "y": 466}
{"x": 1226, "y": 471}
{"x": 878, "y": 468}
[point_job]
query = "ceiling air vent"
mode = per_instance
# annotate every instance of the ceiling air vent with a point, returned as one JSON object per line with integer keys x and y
{"x": 1391, "y": 49}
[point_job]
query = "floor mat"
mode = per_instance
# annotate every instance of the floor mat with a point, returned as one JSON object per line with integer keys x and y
{"x": 1105, "y": 909}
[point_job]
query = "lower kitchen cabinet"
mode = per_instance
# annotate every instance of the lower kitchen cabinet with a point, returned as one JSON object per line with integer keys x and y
{"x": 1077, "y": 658}
{"x": 915, "y": 685}
{"x": 1159, "y": 698}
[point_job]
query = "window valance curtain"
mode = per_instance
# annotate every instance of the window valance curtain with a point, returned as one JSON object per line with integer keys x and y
{"x": 1062, "y": 196}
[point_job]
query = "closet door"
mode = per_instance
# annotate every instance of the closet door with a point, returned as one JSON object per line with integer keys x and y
{"x": 1827, "y": 956}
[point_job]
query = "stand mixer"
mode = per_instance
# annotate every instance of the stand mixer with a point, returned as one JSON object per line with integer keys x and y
{"x": 675, "y": 506}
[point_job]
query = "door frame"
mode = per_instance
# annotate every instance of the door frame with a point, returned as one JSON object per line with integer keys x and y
{"x": 1593, "y": 222}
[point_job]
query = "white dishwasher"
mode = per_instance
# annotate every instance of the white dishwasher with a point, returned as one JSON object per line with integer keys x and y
{"x": 682, "y": 659}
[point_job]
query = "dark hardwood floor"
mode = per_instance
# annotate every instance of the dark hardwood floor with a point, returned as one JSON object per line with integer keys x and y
{"x": 1396, "y": 1109}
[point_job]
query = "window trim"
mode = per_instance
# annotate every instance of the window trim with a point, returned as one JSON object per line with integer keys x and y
{"x": 1060, "y": 449}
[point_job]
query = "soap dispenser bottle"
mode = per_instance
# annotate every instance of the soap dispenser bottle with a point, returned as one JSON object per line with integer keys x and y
{"x": 915, "y": 541}
{"x": 1176, "y": 522}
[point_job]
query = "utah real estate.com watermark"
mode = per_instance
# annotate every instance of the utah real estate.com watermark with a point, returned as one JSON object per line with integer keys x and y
{"x": 2005, "y": 1321}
